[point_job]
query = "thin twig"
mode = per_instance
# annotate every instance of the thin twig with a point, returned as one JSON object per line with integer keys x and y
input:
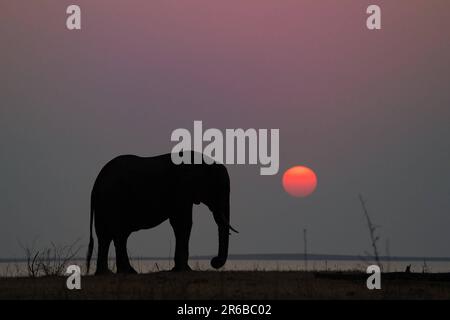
{"x": 372, "y": 231}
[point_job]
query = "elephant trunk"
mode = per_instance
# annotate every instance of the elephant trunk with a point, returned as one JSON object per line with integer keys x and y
{"x": 222, "y": 218}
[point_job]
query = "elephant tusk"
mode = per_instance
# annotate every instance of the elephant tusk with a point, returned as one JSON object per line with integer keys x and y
{"x": 224, "y": 221}
{"x": 233, "y": 229}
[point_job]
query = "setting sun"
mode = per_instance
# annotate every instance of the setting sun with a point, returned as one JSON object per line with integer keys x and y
{"x": 299, "y": 181}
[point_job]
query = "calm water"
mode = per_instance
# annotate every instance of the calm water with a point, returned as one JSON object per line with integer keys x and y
{"x": 15, "y": 269}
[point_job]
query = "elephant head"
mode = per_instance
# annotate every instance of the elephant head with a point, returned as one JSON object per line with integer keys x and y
{"x": 213, "y": 189}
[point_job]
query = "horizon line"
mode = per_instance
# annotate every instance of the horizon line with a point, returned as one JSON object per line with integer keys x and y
{"x": 273, "y": 256}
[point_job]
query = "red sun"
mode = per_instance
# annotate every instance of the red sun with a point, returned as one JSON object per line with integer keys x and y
{"x": 299, "y": 181}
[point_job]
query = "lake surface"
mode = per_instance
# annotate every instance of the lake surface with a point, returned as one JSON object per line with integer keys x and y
{"x": 16, "y": 269}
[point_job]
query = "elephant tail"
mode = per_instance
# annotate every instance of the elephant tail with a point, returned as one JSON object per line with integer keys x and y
{"x": 91, "y": 239}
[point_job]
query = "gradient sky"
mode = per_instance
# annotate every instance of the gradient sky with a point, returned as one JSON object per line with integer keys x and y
{"x": 368, "y": 111}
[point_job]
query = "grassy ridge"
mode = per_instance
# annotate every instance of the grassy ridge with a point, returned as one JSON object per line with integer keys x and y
{"x": 229, "y": 285}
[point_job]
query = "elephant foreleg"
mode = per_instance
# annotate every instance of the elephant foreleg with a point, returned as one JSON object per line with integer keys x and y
{"x": 122, "y": 260}
{"x": 182, "y": 228}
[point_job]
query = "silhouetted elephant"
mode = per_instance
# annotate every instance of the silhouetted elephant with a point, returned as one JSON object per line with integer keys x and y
{"x": 133, "y": 193}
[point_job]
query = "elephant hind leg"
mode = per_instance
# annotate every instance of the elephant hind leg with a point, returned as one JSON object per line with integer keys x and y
{"x": 122, "y": 260}
{"x": 102, "y": 257}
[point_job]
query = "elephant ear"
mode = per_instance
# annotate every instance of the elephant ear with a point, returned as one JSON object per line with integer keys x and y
{"x": 191, "y": 183}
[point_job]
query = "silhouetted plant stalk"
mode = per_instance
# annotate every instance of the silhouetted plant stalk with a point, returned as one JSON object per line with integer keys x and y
{"x": 51, "y": 261}
{"x": 305, "y": 249}
{"x": 372, "y": 232}
{"x": 425, "y": 266}
{"x": 388, "y": 256}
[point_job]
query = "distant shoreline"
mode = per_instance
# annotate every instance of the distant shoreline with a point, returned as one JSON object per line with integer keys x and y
{"x": 279, "y": 256}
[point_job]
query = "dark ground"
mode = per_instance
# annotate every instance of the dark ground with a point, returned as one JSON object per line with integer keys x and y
{"x": 232, "y": 285}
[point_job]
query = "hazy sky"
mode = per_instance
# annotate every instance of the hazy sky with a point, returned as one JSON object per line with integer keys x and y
{"x": 368, "y": 111}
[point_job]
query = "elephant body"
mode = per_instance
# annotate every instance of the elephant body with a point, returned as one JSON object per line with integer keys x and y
{"x": 133, "y": 193}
